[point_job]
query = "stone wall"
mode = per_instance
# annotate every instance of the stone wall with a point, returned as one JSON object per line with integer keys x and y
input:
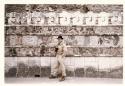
{"x": 93, "y": 50}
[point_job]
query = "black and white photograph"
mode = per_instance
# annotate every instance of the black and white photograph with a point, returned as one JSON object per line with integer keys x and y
{"x": 63, "y": 43}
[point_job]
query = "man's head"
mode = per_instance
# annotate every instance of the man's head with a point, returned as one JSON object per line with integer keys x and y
{"x": 60, "y": 38}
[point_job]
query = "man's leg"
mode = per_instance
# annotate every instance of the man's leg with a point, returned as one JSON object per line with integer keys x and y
{"x": 54, "y": 69}
{"x": 62, "y": 66}
{"x": 59, "y": 73}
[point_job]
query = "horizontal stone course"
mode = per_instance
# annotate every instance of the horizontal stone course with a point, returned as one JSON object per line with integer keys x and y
{"x": 79, "y": 72}
{"x": 72, "y": 51}
{"x": 67, "y": 7}
{"x": 64, "y": 30}
{"x": 110, "y": 67}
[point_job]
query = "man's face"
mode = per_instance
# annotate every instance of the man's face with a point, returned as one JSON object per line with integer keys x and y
{"x": 59, "y": 40}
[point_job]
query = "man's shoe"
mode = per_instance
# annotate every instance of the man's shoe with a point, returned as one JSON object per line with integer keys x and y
{"x": 59, "y": 75}
{"x": 52, "y": 77}
{"x": 62, "y": 78}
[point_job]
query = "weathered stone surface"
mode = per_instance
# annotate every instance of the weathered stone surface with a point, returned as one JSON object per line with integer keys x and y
{"x": 11, "y": 72}
{"x": 15, "y": 40}
{"x": 29, "y": 40}
{"x": 73, "y": 41}
{"x": 111, "y": 51}
{"x": 102, "y": 67}
{"x": 22, "y": 72}
{"x": 22, "y": 67}
{"x": 71, "y": 62}
{"x": 91, "y": 72}
{"x": 10, "y": 62}
{"x": 7, "y": 40}
{"x": 88, "y": 51}
{"x": 95, "y": 48}
{"x": 64, "y": 30}
{"x": 34, "y": 17}
{"x": 34, "y": 64}
{"x": 116, "y": 72}
{"x": 70, "y": 73}
{"x": 34, "y": 71}
{"x": 12, "y": 52}
{"x": 45, "y": 71}
{"x": 7, "y": 52}
{"x": 103, "y": 74}
{"x": 68, "y": 7}
{"x": 10, "y": 67}
{"x": 72, "y": 51}
{"x": 80, "y": 72}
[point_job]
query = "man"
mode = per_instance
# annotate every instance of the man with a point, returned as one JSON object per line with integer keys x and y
{"x": 60, "y": 51}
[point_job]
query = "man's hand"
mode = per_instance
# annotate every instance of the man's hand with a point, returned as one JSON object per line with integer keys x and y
{"x": 63, "y": 55}
{"x": 56, "y": 49}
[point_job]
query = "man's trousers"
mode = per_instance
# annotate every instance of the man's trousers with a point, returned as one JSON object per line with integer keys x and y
{"x": 58, "y": 66}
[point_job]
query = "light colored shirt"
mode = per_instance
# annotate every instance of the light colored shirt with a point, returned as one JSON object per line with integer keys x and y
{"x": 62, "y": 49}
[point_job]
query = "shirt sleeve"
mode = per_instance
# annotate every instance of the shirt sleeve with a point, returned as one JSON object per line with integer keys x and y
{"x": 64, "y": 49}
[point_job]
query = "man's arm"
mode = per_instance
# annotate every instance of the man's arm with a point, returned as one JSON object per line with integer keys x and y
{"x": 64, "y": 50}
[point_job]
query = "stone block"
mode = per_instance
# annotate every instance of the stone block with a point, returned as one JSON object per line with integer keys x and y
{"x": 34, "y": 71}
{"x": 45, "y": 71}
{"x": 11, "y": 72}
{"x": 80, "y": 72}
{"x": 116, "y": 72}
{"x": 91, "y": 72}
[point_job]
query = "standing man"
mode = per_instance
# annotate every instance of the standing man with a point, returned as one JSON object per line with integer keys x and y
{"x": 60, "y": 51}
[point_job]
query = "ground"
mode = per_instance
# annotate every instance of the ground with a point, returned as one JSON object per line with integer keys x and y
{"x": 69, "y": 80}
